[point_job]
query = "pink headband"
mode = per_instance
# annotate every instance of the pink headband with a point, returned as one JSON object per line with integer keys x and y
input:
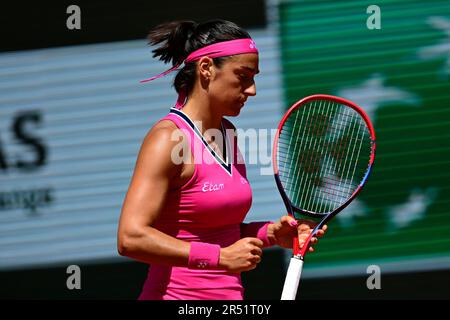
{"x": 220, "y": 49}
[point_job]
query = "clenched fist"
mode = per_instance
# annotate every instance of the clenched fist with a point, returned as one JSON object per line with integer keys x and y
{"x": 243, "y": 255}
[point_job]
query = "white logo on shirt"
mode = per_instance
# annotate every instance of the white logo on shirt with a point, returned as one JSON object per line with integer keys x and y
{"x": 209, "y": 187}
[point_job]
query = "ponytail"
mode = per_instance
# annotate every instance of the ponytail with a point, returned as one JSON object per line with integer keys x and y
{"x": 173, "y": 36}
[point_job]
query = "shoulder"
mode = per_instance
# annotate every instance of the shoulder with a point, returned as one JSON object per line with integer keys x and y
{"x": 163, "y": 126}
{"x": 161, "y": 135}
{"x": 157, "y": 149}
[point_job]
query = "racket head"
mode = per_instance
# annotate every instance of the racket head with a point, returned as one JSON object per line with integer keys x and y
{"x": 323, "y": 153}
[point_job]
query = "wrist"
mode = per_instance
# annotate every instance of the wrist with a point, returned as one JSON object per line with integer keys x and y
{"x": 223, "y": 259}
{"x": 259, "y": 230}
{"x": 270, "y": 234}
{"x": 203, "y": 255}
{"x": 266, "y": 234}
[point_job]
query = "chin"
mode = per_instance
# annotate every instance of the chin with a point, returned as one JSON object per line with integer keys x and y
{"x": 233, "y": 113}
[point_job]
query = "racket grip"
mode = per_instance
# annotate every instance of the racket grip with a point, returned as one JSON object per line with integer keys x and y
{"x": 292, "y": 279}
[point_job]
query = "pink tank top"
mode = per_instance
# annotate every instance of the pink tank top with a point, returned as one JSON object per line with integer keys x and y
{"x": 208, "y": 208}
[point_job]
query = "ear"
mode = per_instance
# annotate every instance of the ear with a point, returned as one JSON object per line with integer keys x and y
{"x": 205, "y": 67}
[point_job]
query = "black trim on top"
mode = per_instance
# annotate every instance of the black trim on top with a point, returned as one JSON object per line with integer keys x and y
{"x": 226, "y": 165}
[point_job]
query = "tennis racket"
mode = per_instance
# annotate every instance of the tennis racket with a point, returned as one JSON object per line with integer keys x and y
{"x": 323, "y": 153}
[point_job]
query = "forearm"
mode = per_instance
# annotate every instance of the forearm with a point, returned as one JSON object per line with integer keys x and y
{"x": 152, "y": 246}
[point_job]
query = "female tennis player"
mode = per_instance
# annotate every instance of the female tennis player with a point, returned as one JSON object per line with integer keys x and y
{"x": 185, "y": 218}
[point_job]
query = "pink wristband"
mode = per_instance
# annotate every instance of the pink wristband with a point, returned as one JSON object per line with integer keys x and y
{"x": 203, "y": 255}
{"x": 258, "y": 230}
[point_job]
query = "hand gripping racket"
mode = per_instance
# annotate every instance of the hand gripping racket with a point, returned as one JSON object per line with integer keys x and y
{"x": 323, "y": 153}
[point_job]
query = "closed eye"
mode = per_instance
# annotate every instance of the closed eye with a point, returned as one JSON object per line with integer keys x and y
{"x": 246, "y": 77}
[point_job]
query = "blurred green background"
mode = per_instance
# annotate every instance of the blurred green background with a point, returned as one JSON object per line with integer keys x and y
{"x": 400, "y": 75}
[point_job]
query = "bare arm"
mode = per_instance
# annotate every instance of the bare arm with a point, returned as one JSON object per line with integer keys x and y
{"x": 154, "y": 176}
{"x": 144, "y": 200}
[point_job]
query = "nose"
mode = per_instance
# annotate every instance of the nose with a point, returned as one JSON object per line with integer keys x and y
{"x": 251, "y": 90}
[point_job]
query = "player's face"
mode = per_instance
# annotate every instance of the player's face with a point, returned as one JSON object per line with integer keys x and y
{"x": 233, "y": 82}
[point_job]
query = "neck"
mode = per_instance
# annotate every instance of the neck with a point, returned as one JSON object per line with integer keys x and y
{"x": 199, "y": 109}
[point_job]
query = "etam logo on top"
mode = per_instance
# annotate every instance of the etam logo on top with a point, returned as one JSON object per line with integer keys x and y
{"x": 211, "y": 187}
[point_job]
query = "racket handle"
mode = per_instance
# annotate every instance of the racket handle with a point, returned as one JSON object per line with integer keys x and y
{"x": 292, "y": 279}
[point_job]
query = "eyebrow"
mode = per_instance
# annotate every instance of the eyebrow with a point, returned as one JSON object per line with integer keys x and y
{"x": 251, "y": 69}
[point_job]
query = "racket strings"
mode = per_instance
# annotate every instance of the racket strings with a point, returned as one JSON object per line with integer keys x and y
{"x": 308, "y": 160}
{"x": 314, "y": 157}
{"x": 286, "y": 141}
{"x": 307, "y": 139}
{"x": 341, "y": 159}
{"x": 321, "y": 152}
{"x": 345, "y": 158}
{"x": 329, "y": 192}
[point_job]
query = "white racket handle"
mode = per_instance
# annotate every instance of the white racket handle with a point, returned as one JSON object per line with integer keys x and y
{"x": 292, "y": 279}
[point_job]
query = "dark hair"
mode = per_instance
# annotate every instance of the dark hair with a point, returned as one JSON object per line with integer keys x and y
{"x": 179, "y": 38}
